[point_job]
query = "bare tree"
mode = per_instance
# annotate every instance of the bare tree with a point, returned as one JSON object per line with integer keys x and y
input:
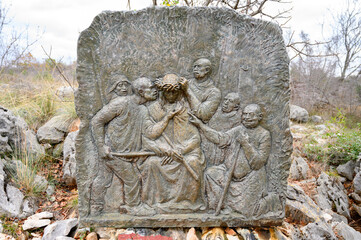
{"x": 254, "y": 8}
{"x": 346, "y": 40}
{"x": 14, "y": 45}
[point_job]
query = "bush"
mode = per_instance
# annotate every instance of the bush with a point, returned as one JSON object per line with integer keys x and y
{"x": 343, "y": 143}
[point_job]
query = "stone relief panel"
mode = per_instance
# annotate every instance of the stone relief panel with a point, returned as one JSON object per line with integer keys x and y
{"x": 184, "y": 119}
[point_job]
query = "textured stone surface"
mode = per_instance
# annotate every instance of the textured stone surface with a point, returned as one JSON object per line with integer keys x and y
{"x": 12, "y": 203}
{"x": 357, "y": 183}
{"x": 299, "y": 169}
{"x": 69, "y": 164}
{"x": 298, "y": 114}
{"x": 59, "y": 229}
{"x": 15, "y": 133}
{"x": 53, "y": 131}
{"x": 232, "y": 53}
{"x": 35, "y": 223}
{"x": 319, "y": 230}
{"x": 316, "y": 119}
{"x": 300, "y": 207}
{"x": 330, "y": 193}
{"x": 347, "y": 170}
{"x": 345, "y": 231}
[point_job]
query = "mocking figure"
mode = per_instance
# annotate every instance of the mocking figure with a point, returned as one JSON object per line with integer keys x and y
{"x": 242, "y": 177}
{"x": 226, "y": 117}
{"x": 117, "y": 127}
{"x": 203, "y": 97}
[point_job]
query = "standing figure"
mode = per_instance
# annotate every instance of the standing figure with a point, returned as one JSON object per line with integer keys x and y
{"x": 203, "y": 97}
{"x": 250, "y": 146}
{"x": 227, "y": 117}
{"x": 118, "y": 127}
{"x": 172, "y": 180}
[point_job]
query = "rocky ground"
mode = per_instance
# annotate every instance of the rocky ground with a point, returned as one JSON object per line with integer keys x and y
{"x": 322, "y": 202}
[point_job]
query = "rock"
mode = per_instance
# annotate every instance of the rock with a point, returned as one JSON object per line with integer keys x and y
{"x": 64, "y": 238}
{"x": 321, "y": 127}
{"x": 59, "y": 229}
{"x": 300, "y": 207}
{"x": 335, "y": 217}
{"x": 35, "y": 223}
{"x": 58, "y": 150}
{"x": 245, "y": 233}
{"x": 214, "y": 233}
{"x": 332, "y": 194}
{"x": 42, "y": 215}
{"x": 1, "y": 227}
{"x": 50, "y": 190}
{"x": 319, "y": 230}
{"x": 54, "y": 130}
{"x": 37, "y": 220}
{"x": 92, "y": 236}
{"x": 357, "y": 183}
{"x": 12, "y": 203}
{"x": 191, "y": 235}
{"x": 299, "y": 169}
{"x": 6, "y": 237}
{"x": 347, "y": 170}
{"x": 316, "y": 119}
{"x": 298, "y": 114}
{"x": 69, "y": 163}
{"x": 345, "y": 231}
{"x": 357, "y": 209}
{"x": 65, "y": 92}
{"x": 15, "y": 132}
{"x": 356, "y": 197}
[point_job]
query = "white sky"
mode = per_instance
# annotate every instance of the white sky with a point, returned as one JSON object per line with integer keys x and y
{"x": 61, "y": 21}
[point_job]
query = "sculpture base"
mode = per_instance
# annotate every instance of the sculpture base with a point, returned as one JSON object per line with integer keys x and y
{"x": 115, "y": 220}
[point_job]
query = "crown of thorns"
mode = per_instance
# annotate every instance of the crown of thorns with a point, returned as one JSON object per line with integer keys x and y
{"x": 169, "y": 82}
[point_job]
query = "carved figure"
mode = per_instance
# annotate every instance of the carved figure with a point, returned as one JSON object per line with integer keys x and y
{"x": 120, "y": 86}
{"x": 249, "y": 146}
{"x": 113, "y": 132}
{"x": 173, "y": 178}
{"x": 226, "y": 117}
{"x": 203, "y": 97}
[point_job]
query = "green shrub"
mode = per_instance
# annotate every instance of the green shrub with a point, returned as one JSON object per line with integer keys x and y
{"x": 343, "y": 143}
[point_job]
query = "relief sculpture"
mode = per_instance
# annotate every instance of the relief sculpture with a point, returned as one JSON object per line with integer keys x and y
{"x": 169, "y": 135}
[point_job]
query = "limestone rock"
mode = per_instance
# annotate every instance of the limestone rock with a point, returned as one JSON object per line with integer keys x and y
{"x": 355, "y": 197}
{"x": 319, "y": 230}
{"x": 35, "y": 223}
{"x": 299, "y": 169}
{"x": 316, "y": 119}
{"x": 92, "y": 236}
{"x": 331, "y": 192}
{"x": 300, "y": 207}
{"x": 15, "y": 132}
{"x": 69, "y": 164}
{"x": 6, "y": 237}
{"x": 59, "y": 229}
{"x": 357, "y": 209}
{"x": 53, "y": 131}
{"x": 347, "y": 170}
{"x": 345, "y": 231}
{"x": 65, "y": 92}
{"x": 58, "y": 150}
{"x": 191, "y": 235}
{"x": 64, "y": 238}
{"x": 12, "y": 203}
{"x": 42, "y": 215}
{"x": 298, "y": 114}
{"x": 357, "y": 183}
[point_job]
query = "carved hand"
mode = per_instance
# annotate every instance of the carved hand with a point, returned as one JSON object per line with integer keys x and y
{"x": 174, "y": 112}
{"x": 243, "y": 137}
{"x": 184, "y": 83}
{"x": 104, "y": 153}
{"x": 194, "y": 120}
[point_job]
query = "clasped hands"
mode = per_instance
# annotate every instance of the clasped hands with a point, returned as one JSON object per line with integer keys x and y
{"x": 172, "y": 155}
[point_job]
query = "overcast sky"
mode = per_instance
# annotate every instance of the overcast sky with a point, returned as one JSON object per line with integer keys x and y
{"x": 61, "y": 21}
